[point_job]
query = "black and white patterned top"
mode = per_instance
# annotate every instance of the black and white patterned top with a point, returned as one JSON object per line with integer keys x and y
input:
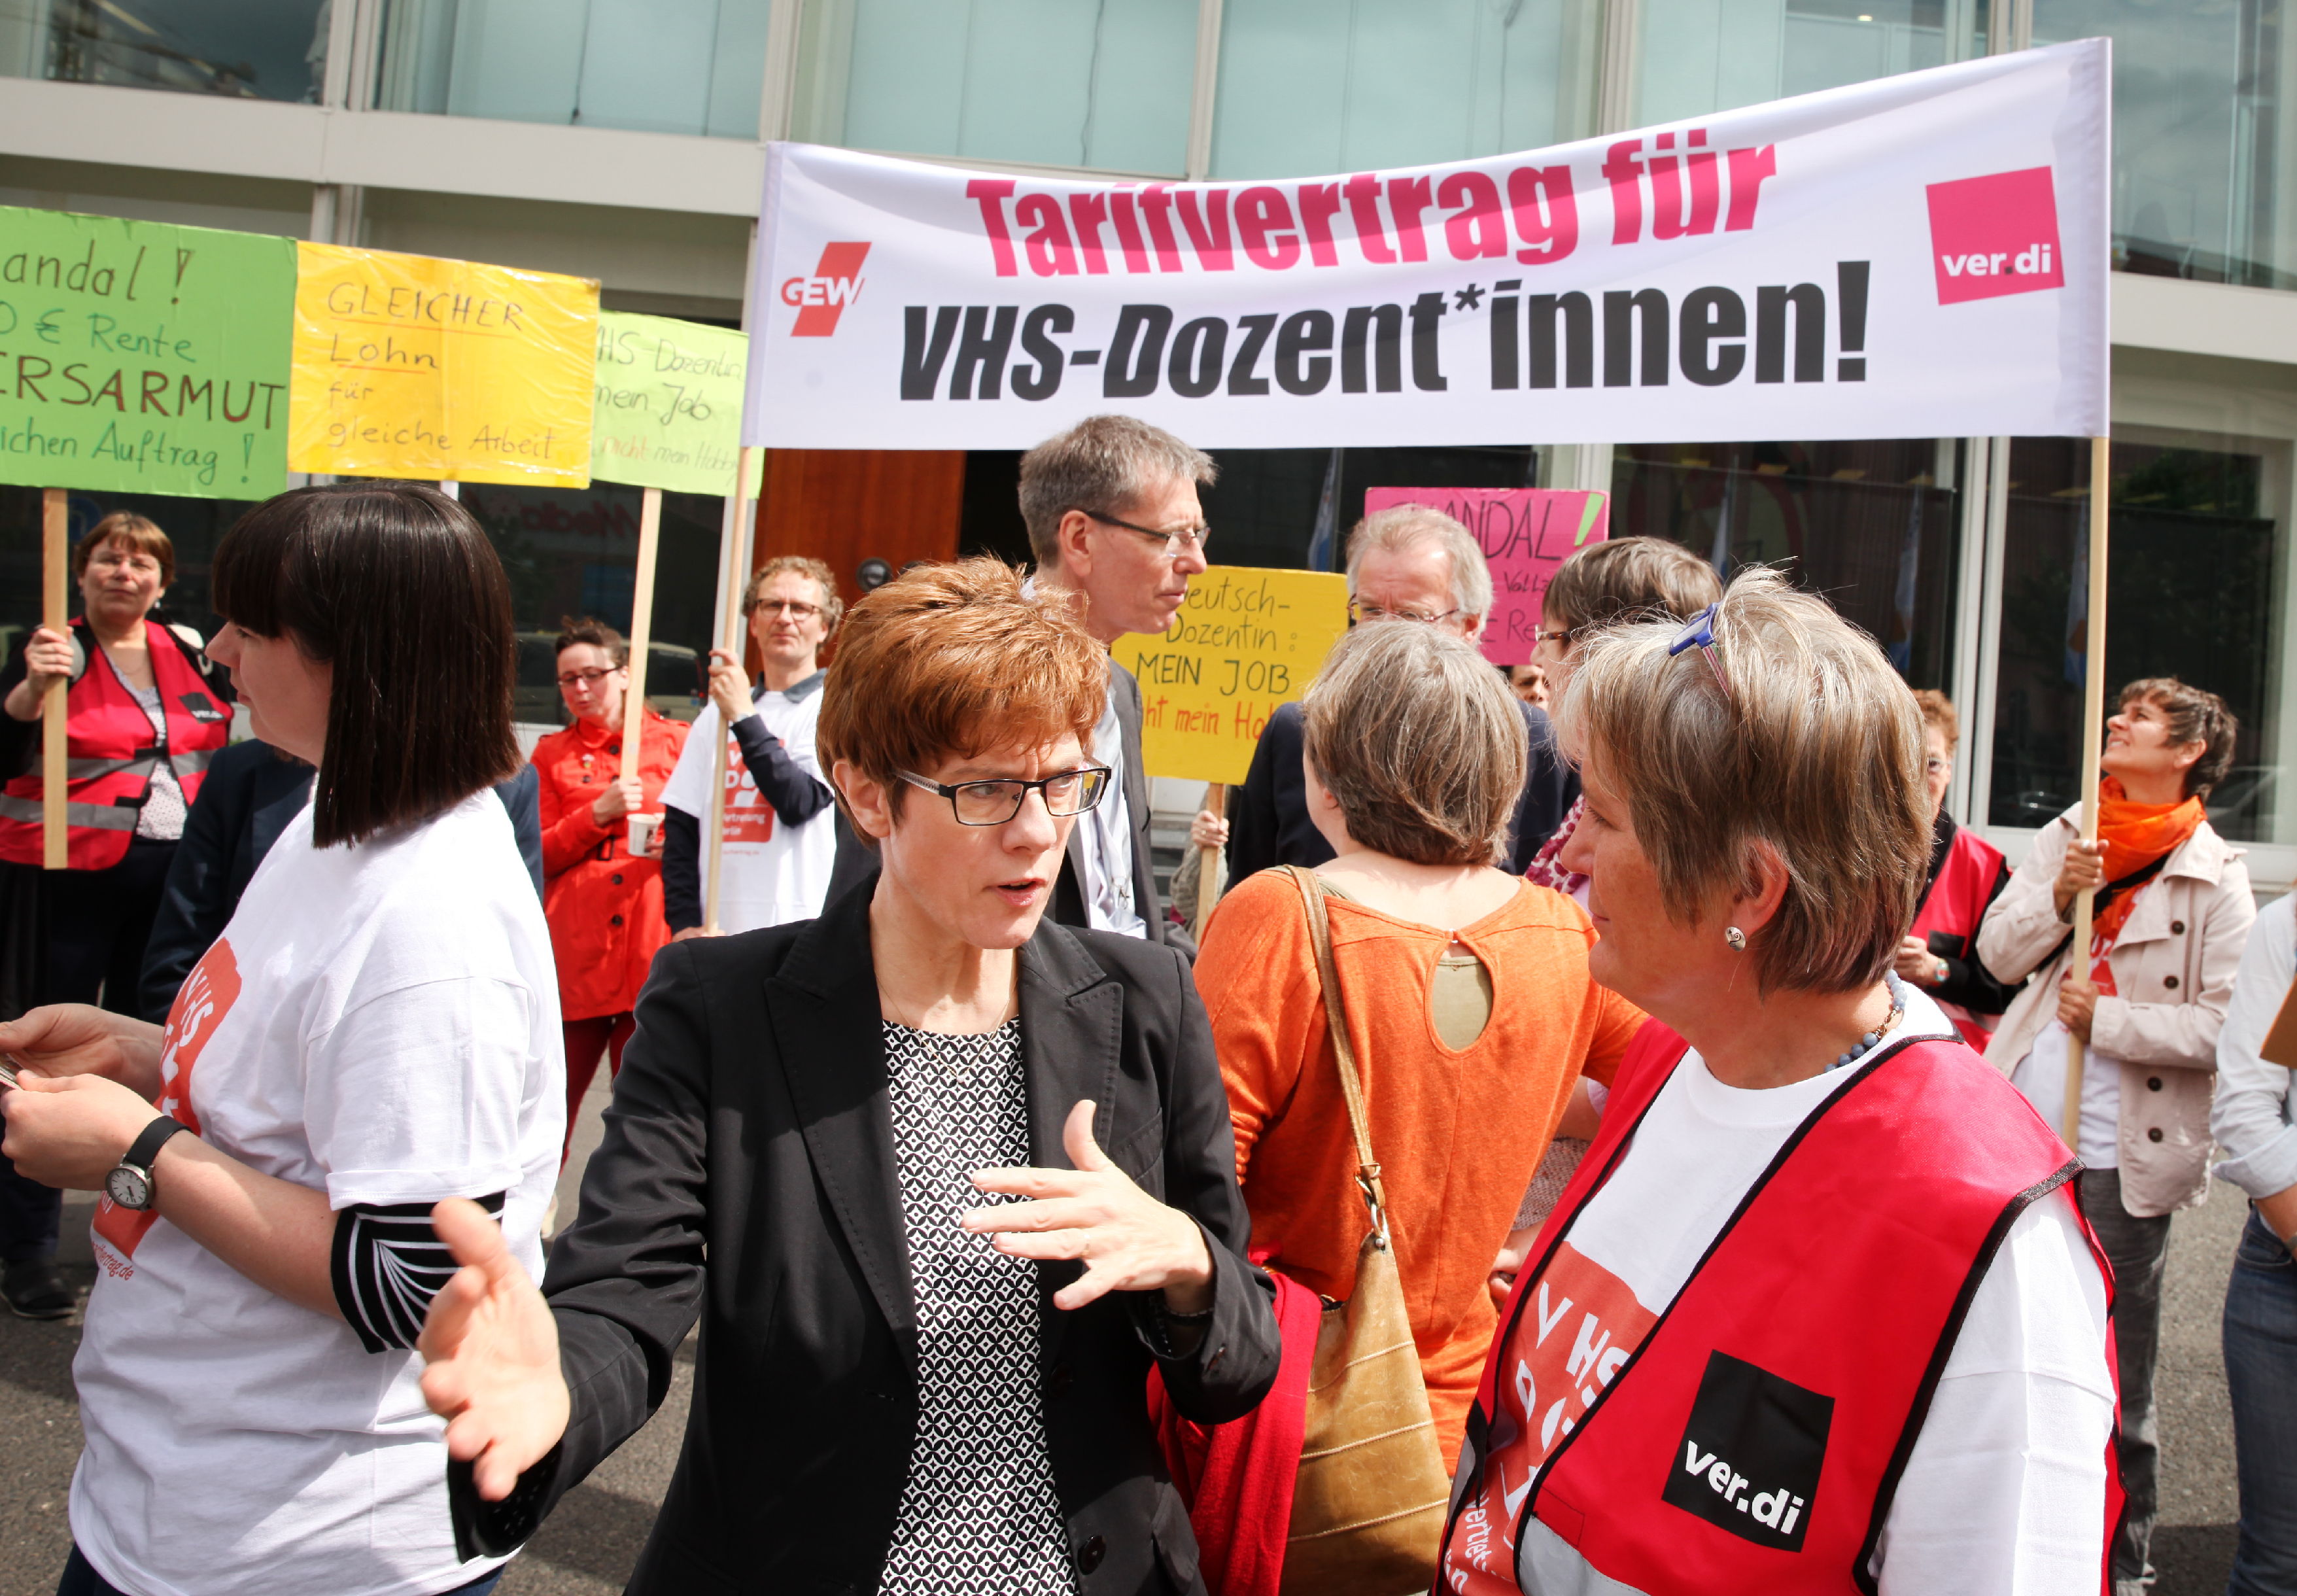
{"x": 979, "y": 1516}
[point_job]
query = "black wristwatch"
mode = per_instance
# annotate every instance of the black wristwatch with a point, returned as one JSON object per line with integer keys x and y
{"x": 129, "y": 1183}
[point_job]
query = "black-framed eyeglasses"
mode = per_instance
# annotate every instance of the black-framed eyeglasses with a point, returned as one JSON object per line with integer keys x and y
{"x": 587, "y": 678}
{"x": 995, "y": 801}
{"x": 1359, "y": 613}
{"x": 1700, "y": 633}
{"x": 1175, "y": 541}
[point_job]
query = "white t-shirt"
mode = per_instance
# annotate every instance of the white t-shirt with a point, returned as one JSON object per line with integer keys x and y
{"x": 2041, "y": 1076}
{"x": 770, "y": 873}
{"x": 1105, "y": 833}
{"x": 380, "y": 1022}
{"x": 2003, "y": 1493}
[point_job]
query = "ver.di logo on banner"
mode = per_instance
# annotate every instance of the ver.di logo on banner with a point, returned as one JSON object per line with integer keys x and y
{"x": 1995, "y": 235}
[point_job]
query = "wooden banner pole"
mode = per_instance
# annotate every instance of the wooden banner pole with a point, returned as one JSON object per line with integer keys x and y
{"x": 55, "y": 563}
{"x": 1208, "y": 858}
{"x": 2101, "y": 460}
{"x": 634, "y": 701}
{"x": 739, "y": 509}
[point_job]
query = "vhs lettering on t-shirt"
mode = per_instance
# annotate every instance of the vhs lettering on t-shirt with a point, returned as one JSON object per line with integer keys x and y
{"x": 200, "y": 1004}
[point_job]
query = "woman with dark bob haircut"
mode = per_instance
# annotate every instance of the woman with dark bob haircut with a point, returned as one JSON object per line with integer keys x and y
{"x": 375, "y": 1029}
{"x": 904, "y": 1385}
{"x": 1817, "y": 1312}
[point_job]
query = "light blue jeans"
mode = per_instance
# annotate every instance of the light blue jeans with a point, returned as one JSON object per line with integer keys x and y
{"x": 2260, "y": 1361}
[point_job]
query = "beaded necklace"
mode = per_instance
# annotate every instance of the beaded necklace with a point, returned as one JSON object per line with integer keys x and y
{"x": 1867, "y": 1043}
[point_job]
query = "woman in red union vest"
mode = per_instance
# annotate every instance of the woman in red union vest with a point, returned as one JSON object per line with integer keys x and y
{"x": 1817, "y": 1313}
{"x": 143, "y": 719}
{"x": 1966, "y": 874}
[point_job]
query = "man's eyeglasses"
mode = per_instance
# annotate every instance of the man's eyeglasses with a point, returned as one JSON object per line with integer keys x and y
{"x": 585, "y": 679}
{"x": 1175, "y": 541}
{"x": 796, "y": 609}
{"x": 1699, "y": 634}
{"x": 1360, "y": 611}
{"x": 995, "y": 802}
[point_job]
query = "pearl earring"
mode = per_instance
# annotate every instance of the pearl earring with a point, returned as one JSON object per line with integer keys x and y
{"x": 1736, "y": 937}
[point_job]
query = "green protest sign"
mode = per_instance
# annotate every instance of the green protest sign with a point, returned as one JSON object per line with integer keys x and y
{"x": 142, "y": 357}
{"x": 669, "y": 410}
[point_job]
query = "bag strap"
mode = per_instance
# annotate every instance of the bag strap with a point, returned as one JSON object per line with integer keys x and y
{"x": 1343, "y": 1053}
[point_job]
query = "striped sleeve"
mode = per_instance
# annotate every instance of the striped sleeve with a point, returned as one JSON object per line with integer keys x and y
{"x": 387, "y": 1265}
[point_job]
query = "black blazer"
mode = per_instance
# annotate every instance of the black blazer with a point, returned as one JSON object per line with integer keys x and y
{"x": 1268, "y": 817}
{"x": 750, "y": 1127}
{"x": 247, "y": 798}
{"x": 856, "y": 860}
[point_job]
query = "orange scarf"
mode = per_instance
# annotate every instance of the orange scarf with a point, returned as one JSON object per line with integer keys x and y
{"x": 2135, "y": 835}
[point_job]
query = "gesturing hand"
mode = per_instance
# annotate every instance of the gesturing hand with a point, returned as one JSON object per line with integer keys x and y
{"x": 492, "y": 1352}
{"x": 1127, "y": 1239}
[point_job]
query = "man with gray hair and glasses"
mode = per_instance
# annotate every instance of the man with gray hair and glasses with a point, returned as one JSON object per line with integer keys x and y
{"x": 1410, "y": 563}
{"x": 1117, "y": 531}
{"x": 1115, "y": 523}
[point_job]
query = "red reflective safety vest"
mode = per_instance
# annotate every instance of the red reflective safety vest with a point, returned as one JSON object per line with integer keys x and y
{"x": 1802, "y": 1352}
{"x": 110, "y": 753}
{"x": 1954, "y": 905}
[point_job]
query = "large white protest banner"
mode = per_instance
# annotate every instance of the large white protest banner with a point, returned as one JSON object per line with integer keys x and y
{"x": 1925, "y": 255}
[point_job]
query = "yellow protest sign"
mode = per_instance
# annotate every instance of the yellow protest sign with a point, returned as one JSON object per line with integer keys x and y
{"x": 410, "y": 366}
{"x": 1246, "y": 641}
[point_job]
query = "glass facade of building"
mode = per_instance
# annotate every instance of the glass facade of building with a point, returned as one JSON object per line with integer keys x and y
{"x": 1308, "y": 87}
{"x": 1037, "y": 81}
{"x": 248, "y": 49}
{"x": 655, "y": 66}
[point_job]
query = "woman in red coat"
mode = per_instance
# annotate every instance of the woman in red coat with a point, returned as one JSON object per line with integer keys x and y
{"x": 603, "y": 903}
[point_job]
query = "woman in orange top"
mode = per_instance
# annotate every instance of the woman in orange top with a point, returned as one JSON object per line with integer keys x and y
{"x": 1465, "y": 991}
{"x": 604, "y": 905}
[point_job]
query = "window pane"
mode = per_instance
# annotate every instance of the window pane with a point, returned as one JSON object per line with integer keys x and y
{"x": 1698, "y": 56}
{"x": 249, "y": 49}
{"x": 1874, "y": 527}
{"x": 1307, "y": 87}
{"x": 1047, "y": 82}
{"x": 2193, "y": 591}
{"x": 658, "y": 66}
{"x": 574, "y": 552}
{"x": 2199, "y": 156}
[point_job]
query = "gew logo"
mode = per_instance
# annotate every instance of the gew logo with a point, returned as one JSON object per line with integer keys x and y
{"x": 822, "y": 297}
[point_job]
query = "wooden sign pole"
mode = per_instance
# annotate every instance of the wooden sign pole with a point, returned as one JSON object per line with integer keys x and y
{"x": 634, "y": 701}
{"x": 2100, "y": 459}
{"x": 55, "y": 561}
{"x": 740, "y": 510}
{"x": 1208, "y": 858}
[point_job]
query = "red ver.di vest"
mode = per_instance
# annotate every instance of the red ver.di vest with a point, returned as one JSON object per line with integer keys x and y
{"x": 110, "y": 753}
{"x": 1950, "y": 914}
{"x": 1749, "y": 1436}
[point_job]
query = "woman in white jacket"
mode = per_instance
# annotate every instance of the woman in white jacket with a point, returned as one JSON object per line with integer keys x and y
{"x": 2173, "y": 911}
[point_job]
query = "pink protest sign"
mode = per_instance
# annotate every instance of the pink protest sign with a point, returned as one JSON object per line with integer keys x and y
{"x": 1525, "y": 534}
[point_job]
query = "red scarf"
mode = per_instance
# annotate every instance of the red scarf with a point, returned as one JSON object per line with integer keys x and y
{"x": 2135, "y": 835}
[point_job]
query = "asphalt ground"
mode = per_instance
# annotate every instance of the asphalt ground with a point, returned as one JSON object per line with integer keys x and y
{"x": 587, "y": 1546}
